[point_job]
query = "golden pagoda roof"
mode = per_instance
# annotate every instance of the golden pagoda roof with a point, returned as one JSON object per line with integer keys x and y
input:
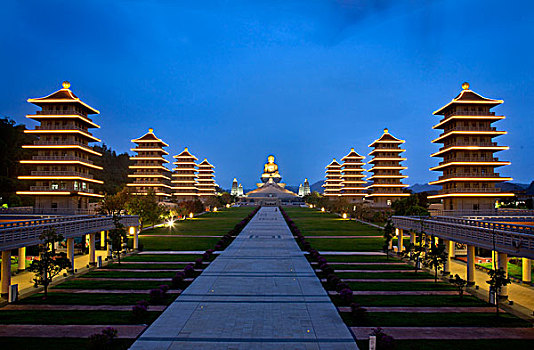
{"x": 185, "y": 154}
{"x": 64, "y": 95}
{"x": 150, "y": 137}
{"x": 333, "y": 164}
{"x": 206, "y": 164}
{"x": 386, "y": 138}
{"x": 352, "y": 155}
{"x": 468, "y": 97}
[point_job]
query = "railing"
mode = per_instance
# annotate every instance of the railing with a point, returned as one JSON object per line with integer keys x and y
{"x": 48, "y": 188}
{"x": 487, "y": 214}
{"x": 27, "y": 234}
{"x": 60, "y": 127}
{"x": 470, "y": 113}
{"x": 52, "y": 143}
{"x": 61, "y": 173}
{"x": 54, "y": 112}
{"x": 62, "y": 158}
{"x": 470, "y": 190}
{"x": 471, "y": 144}
{"x": 47, "y": 211}
{"x": 468, "y": 128}
{"x": 449, "y": 176}
{"x": 469, "y": 159}
{"x": 516, "y": 240}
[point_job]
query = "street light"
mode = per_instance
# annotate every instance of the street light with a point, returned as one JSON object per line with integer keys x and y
{"x": 191, "y": 215}
{"x": 344, "y": 215}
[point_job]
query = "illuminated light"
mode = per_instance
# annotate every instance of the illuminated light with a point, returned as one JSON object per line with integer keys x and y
{"x": 161, "y": 159}
{"x": 452, "y": 163}
{"x": 485, "y": 117}
{"x": 388, "y": 195}
{"x": 465, "y": 86}
{"x": 388, "y": 185}
{"x": 473, "y": 148}
{"x": 498, "y": 179}
{"x": 62, "y": 131}
{"x": 191, "y": 215}
{"x": 66, "y": 85}
{"x": 148, "y": 167}
{"x": 61, "y": 116}
{"x": 138, "y": 184}
{"x": 215, "y": 209}
{"x": 60, "y": 178}
{"x": 90, "y": 194}
{"x": 228, "y": 205}
{"x": 387, "y": 159}
{"x": 43, "y": 162}
{"x": 460, "y": 132}
{"x": 64, "y": 147}
{"x": 132, "y": 230}
{"x": 153, "y": 176}
{"x": 39, "y": 193}
{"x": 344, "y": 215}
{"x": 387, "y": 168}
{"x": 494, "y": 194}
{"x": 322, "y": 209}
{"x": 170, "y": 223}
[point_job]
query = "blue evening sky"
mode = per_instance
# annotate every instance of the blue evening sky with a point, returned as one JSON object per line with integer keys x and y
{"x": 304, "y": 80}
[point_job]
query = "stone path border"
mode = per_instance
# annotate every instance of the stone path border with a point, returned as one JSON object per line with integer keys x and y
{"x": 182, "y": 236}
{"x": 352, "y": 253}
{"x": 448, "y": 333}
{"x": 132, "y": 279}
{"x": 374, "y": 271}
{"x": 110, "y": 291}
{"x": 79, "y": 307}
{"x": 362, "y": 263}
{"x": 159, "y": 263}
{"x": 392, "y": 280}
{"x": 175, "y": 252}
{"x": 323, "y": 237}
{"x": 402, "y": 292}
{"x": 424, "y": 309}
{"x": 66, "y": 331}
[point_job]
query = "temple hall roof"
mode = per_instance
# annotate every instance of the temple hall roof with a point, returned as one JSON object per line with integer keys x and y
{"x": 64, "y": 95}
{"x": 468, "y": 97}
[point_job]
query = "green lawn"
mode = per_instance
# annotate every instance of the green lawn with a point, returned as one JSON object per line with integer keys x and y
{"x": 359, "y": 258}
{"x": 25, "y": 343}
{"x": 146, "y": 266}
{"x": 457, "y": 319}
{"x": 513, "y": 269}
{"x": 385, "y": 268}
{"x": 90, "y": 299}
{"x": 80, "y": 283}
{"x": 180, "y": 243}
{"x": 384, "y": 275}
{"x": 409, "y": 286}
{"x": 346, "y": 244}
{"x": 414, "y": 300}
{"x": 128, "y": 274}
{"x": 162, "y": 257}
{"x": 211, "y": 224}
{"x": 485, "y": 344}
{"x": 69, "y": 317}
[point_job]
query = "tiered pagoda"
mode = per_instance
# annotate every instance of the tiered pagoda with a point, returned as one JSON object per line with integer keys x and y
{"x": 386, "y": 186}
{"x": 184, "y": 176}
{"x": 149, "y": 174}
{"x": 62, "y": 171}
{"x": 468, "y": 166}
{"x": 206, "y": 182}
{"x": 304, "y": 189}
{"x": 353, "y": 184}
{"x": 234, "y": 189}
{"x": 334, "y": 180}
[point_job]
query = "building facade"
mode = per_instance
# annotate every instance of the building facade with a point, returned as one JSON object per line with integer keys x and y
{"x": 206, "y": 180}
{"x": 386, "y": 185}
{"x": 334, "y": 179}
{"x": 353, "y": 185}
{"x": 235, "y": 186}
{"x": 62, "y": 172}
{"x": 184, "y": 177}
{"x": 468, "y": 162}
{"x": 149, "y": 173}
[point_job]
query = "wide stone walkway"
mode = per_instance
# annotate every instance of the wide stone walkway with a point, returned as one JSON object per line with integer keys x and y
{"x": 260, "y": 293}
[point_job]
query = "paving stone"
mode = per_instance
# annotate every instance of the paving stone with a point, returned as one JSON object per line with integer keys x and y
{"x": 260, "y": 293}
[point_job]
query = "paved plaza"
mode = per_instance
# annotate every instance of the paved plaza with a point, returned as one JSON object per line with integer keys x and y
{"x": 260, "y": 293}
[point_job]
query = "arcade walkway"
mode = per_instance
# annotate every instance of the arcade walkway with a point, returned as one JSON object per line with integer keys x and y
{"x": 260, "y": 293}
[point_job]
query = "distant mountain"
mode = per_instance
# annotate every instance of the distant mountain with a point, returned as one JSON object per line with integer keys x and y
{"x": 530, "y": 189}
{"x": 512, "y": 187}
{"x": 418, "y": 188}
{"x": 317, "y": 187}
{"x": 294, "y": 189}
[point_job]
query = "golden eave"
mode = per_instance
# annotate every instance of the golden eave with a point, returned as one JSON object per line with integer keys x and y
{"x": 149, "y": 150}
{"x": 471, "y": 148}
{"x": 468, "y": 117}
{"x": 61, "y": 116}
{"x": 159, "y": 159}
{"x": 476, "y": 179}
{"x": 45, "y": 162}
{"x": 388, "y": 177}
{"x": 81, "y": 178}
{"x": 59, "y": 193}
{"x": 452, "y": 163}
{"x": 161, "y": 167}
{"x": 147, "y": 185}
{"x": 458, "y": 132}
{"x": 388, "y": 185}
{"x": 86, "y": 149}
{"x": 62, "y": 131}
{"x": 73, "y": 99}
{"x": 388, "y": 195}
{"x": 149, "y": 176}
{"x": 387, "y": 168}
{"x": 471, "y": 194}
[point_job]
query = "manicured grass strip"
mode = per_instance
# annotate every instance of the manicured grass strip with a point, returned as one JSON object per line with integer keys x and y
{"x": 470, "y": 344}
{"x": 359, "y": 258}
{"x": 371, "y": 267}
{"x": 24, "y": 343}
{"x": 413, "y": 300}
{"x": 70, "y": 317}
{"x": 460, "y": 319}
{"x": 384, "y": 275}
{"x": 347, "y": 244}
{"x": 182, "y": 243}
{"x": 88, "y": 284}
{"x": 127, "y": 274}
{"x": 212, "y": 223}
{"x": 147, "y": 266}
{"x": 161, "y": 257}
{"x": 423, "y": 286}
{"x": 90, "y": 299}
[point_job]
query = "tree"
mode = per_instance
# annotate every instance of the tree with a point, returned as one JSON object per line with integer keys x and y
{"x": 414, "y": 205}
{"x": 50, "y": 263}
{"x": 497, "y": 281}
{"x": 147, "y": 208}
{"x": 414, "y": 253}
{"x": 389, "y": 233}
{"x": 459, "y": 283}
{"x": 116, "y": 237}
{"x": 435, "y": 258}
{"x": 227, "y": 198}
{"x": 115, "y": 174}
{"x": 114, "y": 204}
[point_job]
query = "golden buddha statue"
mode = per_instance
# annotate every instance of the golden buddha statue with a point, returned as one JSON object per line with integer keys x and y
{"x": 270, "y": 171}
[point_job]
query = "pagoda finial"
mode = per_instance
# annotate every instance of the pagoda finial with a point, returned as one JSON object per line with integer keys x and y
{"x": 465, "y": 86}
{"x": 352, "y": 149}
{"x": 66, "y": 85}
{"x": 186, "y": 149}
{"x": 150, "y": 130}
{"x": 386, "y": 131}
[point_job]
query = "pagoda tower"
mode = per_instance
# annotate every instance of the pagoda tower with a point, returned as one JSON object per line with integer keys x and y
{"x": 386, "y": 184}
{"x": 233, "y": 191}
{"x": 334, "y": 179}
{"x": 468, "y": 168}
{"x": 148, "y": 170}
{"x": 240, "y": 191}
{"x": 306, "y": 190}
{"x": 62, "y": 171}
{"x": 301, "y": 191}
{"x": 353, "y": 184}
{"x": 185, "y": 176}
{"x": 206, "y": 182}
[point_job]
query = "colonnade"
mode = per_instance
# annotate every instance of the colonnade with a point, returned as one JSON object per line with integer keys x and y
{"x": 5, "y": 269}
{"x": 500, "y": 258}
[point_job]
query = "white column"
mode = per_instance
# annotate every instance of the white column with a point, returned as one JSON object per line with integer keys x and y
{"x": 470, "y": 265}
{"x": 6, "y": 272}
{"x": 503, "y": 265}
{"x": 70, "y": 252}
{"x": 22, "y": 259}
{"x": 527, "y": 270}
{"x": 92, "y": 258}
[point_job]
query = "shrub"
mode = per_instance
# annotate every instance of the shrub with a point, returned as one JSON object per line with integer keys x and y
{"x": 104, "y": 340}
{"x": 156, "y": 296}
{"x": 164, "y": 288}
{"x": 383, "y": 341}
{"x": 198, "y": 263}
{"x": 346, "y": 295}
{"x": 178, "y": 280}
{"x": 189, "y": 270}
{"x": 140, "y": 311}
{"x": 358, "y": 313}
